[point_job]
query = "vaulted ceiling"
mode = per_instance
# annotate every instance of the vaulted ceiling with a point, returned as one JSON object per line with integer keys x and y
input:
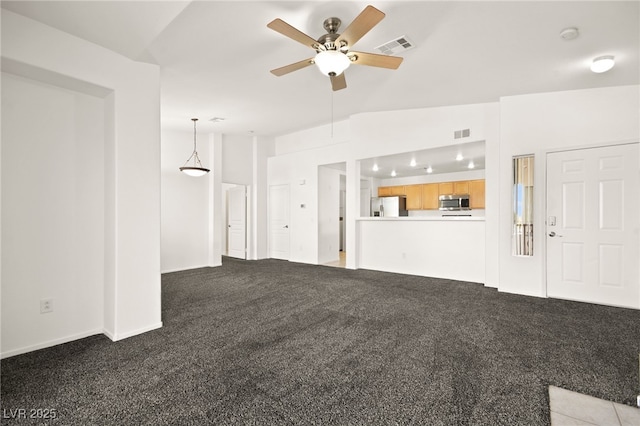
{"x": 215, "y": 56}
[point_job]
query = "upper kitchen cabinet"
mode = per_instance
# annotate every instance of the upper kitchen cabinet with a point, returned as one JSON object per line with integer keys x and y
{"x": 414, "y": 197}
{"x": 387, "y": 191}
{"x": 445, "y": 188}
{"x": 476, "y": 194}
{"x": 430, "y": 196}
{"x": 461, "y": 187}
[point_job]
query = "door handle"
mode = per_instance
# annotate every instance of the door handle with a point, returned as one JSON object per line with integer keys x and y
{"x": 553, "y": 234}
{"x": 286, "y": 226}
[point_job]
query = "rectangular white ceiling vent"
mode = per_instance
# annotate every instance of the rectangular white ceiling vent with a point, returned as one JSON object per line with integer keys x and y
{"x": 459, "y": 134}
{"x": 396, "y": 46}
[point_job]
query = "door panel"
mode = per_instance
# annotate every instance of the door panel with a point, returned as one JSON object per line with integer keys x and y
{"x": 279, "y": 222}
{"x": 593, "y": 248}
{"x": 237, "y": 226}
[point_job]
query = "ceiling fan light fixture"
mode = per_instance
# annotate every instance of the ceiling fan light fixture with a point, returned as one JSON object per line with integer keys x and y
{"x": 332, "y": 62}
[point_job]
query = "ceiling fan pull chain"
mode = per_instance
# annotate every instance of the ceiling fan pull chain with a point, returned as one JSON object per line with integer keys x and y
{"x": 332, "y": 114}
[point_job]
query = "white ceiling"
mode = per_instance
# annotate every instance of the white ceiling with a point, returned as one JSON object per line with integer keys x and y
{"x": 215, "y": 56}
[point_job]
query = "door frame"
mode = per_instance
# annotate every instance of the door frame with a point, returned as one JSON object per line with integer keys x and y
{"x": 543, "y": 223}
{"x": 269, "y": 201}
{"x": 245, "y": 190}
{"x": 248, "y": 228}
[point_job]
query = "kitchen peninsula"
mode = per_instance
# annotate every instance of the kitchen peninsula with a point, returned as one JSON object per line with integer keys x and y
{"x": 450, "y": 247}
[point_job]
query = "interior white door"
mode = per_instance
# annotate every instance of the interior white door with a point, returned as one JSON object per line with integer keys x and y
{"x": 593, "y": 225}
{"x": 237, "y": 222}
{"x": 279, "y": 222}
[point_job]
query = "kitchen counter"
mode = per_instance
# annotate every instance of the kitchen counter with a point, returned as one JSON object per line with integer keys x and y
{"x": 441, "y": 247}
{"x": 423, "y": 218}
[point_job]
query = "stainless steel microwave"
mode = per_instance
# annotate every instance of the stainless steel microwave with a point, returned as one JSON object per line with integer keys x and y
{"x": 454, "y": 202}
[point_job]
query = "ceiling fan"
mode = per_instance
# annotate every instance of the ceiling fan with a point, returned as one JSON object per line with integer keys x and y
{"x": 333, "y": 54}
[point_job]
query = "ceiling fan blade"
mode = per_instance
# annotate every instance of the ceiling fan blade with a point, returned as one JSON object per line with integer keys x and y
{"x": 338, "y": 82}
{"x": 375, "y": 60}
{"x": 363, "y": 23}
{"x": 285, "y": 29}
{"x": 292, "y": 67}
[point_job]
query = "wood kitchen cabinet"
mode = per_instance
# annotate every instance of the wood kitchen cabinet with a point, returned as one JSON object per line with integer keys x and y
{"x": 429, "y": 196}
{"x": 461, "y": 187}
{"x": 445, "y": 188}
{"x": 387, "y": 191}
{"x": 384, "y": 191}
{"x": 425, "y": 196}
{"x": 476, "y": 194}
{"x": 414, "y": 197}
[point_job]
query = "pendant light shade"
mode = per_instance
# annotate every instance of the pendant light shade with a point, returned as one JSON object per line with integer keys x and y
{"x": 193, "y": 166}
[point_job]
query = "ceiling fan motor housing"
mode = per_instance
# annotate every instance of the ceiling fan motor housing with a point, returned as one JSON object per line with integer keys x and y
{"x": 327, "y": 41}
{"x": 331, "y": 25}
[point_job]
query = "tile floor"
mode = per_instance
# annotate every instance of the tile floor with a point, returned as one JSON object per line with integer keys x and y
{"x": 573, "y": 409}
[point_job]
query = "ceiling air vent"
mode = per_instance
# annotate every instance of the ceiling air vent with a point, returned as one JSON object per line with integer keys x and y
{"x": 458, "y": 134}
{"x": 396, "y": 46}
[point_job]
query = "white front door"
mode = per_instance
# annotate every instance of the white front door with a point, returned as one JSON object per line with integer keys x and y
{"x": 237, "y": 222}
{"x": 279, "y": 222}
{"x": 592, "y": 225}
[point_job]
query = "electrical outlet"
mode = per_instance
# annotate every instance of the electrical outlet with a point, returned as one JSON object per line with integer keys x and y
{"x": 46, "y": 306}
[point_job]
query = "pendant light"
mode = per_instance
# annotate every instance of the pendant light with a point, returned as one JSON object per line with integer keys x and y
{"x": 196, "y": 168}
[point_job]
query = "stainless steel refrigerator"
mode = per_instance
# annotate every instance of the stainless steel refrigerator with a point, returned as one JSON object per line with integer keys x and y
{"x": 389, "y": 206}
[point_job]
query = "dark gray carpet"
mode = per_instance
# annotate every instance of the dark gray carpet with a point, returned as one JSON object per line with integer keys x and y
{"x": 273, "y": 342}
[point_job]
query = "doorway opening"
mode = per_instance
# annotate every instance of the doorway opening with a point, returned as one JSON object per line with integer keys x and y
{"x": 234, "y": 211}
{"x": 332, "y": 196}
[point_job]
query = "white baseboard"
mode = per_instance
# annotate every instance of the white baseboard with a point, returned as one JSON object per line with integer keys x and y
{"x": 120, "y": 336}
{"x": 113, "y": 336}
{"x": 110, "y": 334}
{"x": 186, "y": 268}
{"x": 49, "y": 343}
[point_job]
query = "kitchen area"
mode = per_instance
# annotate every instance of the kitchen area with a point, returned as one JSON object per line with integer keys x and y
{"x": 423, "y": 222}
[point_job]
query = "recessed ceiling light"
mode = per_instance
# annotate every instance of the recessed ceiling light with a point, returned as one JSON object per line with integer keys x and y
{"x": 429, "y": 169}
{"x": 375, "y": 167}
{"x": 471, "y": 165}
{"x": 602, "y": 64}
{"x": 413, "y": 162}
{"x": 459, "y": 157}
{"x": 393, "y": 173}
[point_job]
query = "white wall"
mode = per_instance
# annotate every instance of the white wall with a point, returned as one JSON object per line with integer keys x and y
{"x": 263, "y": 148}
{"x": 237, "y": 159}
{"x": 368, "y": 135}
{"x": 300, "y": 171}
{"x": 53, "y": 193}
{"x": 452, "y": 249}
{"x": 539, "y": 123}
{"x": 194, "y": 230}
{"x": 131, "y": 198}
{"x": 184, "y": 201}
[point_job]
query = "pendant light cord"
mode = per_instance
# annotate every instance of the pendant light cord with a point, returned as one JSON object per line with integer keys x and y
{"x": 194, "y": 134}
